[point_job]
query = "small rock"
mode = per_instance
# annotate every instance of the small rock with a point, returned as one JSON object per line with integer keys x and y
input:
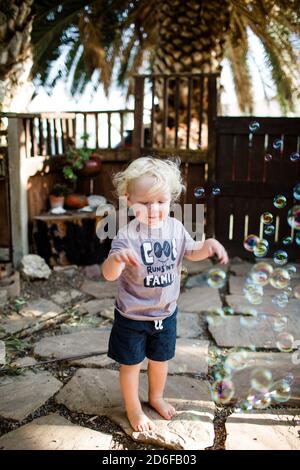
{"x": 2, "y": 352}
{"x": 92, "y": 272}
{"x": 35, "y": 267}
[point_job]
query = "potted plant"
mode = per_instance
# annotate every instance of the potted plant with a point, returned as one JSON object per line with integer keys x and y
{"x": 57, "y": 195}
{"x": 81, "y": 161}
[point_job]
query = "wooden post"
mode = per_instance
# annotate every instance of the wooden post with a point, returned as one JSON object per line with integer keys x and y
{"x": 211, "y": 124}
{"x": 138, "y": 131}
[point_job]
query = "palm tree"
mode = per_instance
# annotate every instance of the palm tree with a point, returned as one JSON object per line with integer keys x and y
{"x": 167, "y": 36}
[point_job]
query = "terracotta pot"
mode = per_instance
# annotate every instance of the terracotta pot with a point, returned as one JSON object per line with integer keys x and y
{"x": 56, "y": 201}
{"x": 91, "y": 167}
{"x": 76, "y": 201}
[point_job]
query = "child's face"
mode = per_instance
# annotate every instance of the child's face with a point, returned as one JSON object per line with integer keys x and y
{"x": 148, "y": 207}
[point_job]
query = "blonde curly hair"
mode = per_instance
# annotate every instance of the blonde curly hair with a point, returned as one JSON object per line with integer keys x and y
{"x": 164, "y": 171}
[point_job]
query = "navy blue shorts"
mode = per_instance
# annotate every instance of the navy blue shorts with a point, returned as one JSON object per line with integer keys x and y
{"x": 132, "y": 340}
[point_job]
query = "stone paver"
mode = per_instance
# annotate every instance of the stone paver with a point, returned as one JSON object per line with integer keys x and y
{"x": 22, "y": 395}
{"x": 241, "y": 269}
{"x": 191, "y": 429}
{"x": 24, "y": 361}
{"x": 94, "y": 391}
{"x": 53, "y": 432}
{"x": 100, "y": 290}
{"x": 37, "y": 311}
{"x": 60, "y": 346}
{"x": 240, "y": 304}
{"x": 199, "y": 299}
{"x": 2, "y": 352}
{"x": 64, "y": 297}
{"x": 280, "y": 365}
{"x": 96, "y": 306}
{"x": 270, "y": 430}
{"x": 229, "y": 332}
{"x": 188, "y": 325}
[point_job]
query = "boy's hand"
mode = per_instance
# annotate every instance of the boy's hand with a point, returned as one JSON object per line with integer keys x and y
{"x": 214, "y": 247}
{"x": 126, "y": 256}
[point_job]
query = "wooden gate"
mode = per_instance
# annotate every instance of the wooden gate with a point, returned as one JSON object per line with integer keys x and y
{"x": 249, "y": 182}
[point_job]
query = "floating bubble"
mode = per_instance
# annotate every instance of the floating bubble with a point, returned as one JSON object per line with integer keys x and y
{"x": 244, "y": 405}
{"x": 280, "y": 257}
{"x": 268, "y": 157}
{"x": 199, "y": 192}
{"x": 266, "y": 218}
{"x": 297, "y": 292}
{"x": 279, "y": 201}
{"x": 296, "y": 192}
{"x": 261, "y": 272}
{"x": 269, "y": 230}
{"x": 254, "y": 294}
{"x": 277, "y": 144}
{"x": 294, "y": 157}
{"x": 297, "y": 239}
{"x": 293, "y": 217}
{"x": 249, "y": 317}
{"x": 254, "y": 126}
{"x": 222, "y": 391}
{"x": 261, "y": 248}
{"x": 216, "y": 191}
{"x": 281, "y": 300}
{"x": 236, "y": 361}
{"x": 280, "y": 391}
{"x": 285, "y": 342}
{"x": 288, "y": 291}
{"x": 280, "y": 323}
{"x": 259, "y": 400}
{"x": 289, "y": 378}
{"x": 291, "y": 270}
{"x": 250, "y": 242}
{"x": 228, "y": 310}
{"x": 287, "y": 240}
{"x": 261, "y": 379}
{"x": 216, "y": 278}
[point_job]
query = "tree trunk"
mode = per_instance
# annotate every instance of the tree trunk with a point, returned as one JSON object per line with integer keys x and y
{"x": 15, "y": 55}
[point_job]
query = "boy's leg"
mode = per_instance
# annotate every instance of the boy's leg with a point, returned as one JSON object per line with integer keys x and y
{"x": 129, "y": 381}
{"x": 157, "y": 377}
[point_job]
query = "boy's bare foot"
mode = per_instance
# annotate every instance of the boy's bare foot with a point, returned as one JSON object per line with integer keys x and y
{"x": 166, "y": 410}
{"x": 139, "y": 421}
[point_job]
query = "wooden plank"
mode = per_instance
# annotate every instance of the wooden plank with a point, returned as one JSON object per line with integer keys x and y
{"x": 152, "y": 113}
{"x": 138, "y": 133}
{"x": 177, "y": 98}
{"x": 165, "y": 112}
{"x": 190, "y": 88}
{"x": 55, "y": 136}
{"x": 49, "y": 143}
{"x": 42, "y": 145}
{"x": 109, "y": 129}
{"x": 97, "y": 130}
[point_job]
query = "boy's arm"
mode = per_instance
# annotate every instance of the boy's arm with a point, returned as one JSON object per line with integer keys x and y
{"x": 203, "y": 250}
{"x": 111, "y": 268}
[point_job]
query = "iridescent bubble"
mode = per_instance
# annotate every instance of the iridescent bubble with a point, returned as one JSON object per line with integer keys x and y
{"x": 216, "y": 278}
{"x": 244, "y": 405}
{"x": 269, "y": 230}
{"x": 277, "y": 144}
{"x": 279, "y": 201}
{"x": 296, "y": 191}
{"x": 291, "y": 270}
{"x": 261, "y": 379}
{"x": 289, "y": 378}
{"x": 280, "y": 391}
{"x": 288, "y": 291}
{"x": 280, "y": 257}
{"x": 293, "y": 217}
{"x": 228, "y": 310}
{"x": 236, "y": 361}
{"x": 268, "y": 157}
{"x": 287, "y": 240}
{"x": 266, "y": 218}
{"x": 261, "y": 272}
{"x": 260, "y": 401}
{"x": 249, "y": 318}
{"x": 250, "y": 242}
{"x": 199, "y": 192}
{"x": 254, "y": 126}
{"x": 281, "y": 300}
{"x": 285, "y": 342}
{"x": 297, "y": 292}
{"x": 216, "y": 191}
{"x": 297, "y": 239}
{"x": 254, "y": 294}
{"x": 222, "y": 391}
{"x": 261, "y": 248}
{"x": 294, "y": 157}
{"x": 280, "y": 323}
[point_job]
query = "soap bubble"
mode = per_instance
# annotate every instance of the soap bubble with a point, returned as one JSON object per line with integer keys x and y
{"x": 285, "y": 342}
{"x": 280, "y": 391}
{"x": 228, "y": 310}
{"x": 259, "y": 400}
{"x": 199, "y": 192}
{"x": 222, "y": 391}
{"x": 289, "y": 378}
{"x": 277, "y": 144}
{"x": 249, "y": 318}
{"x": 216, "y": 191}
{"x": 287, "y": 240}
{"x": 254, "y": 294}
{"x": 280, "y": 323}
{"x": 280, "y": 278}
{"x": 244, "y": 405}
{"x": 296, "y": 191}
{"x": 254, "y": 126}
{"x": 250, "y": 242}
{"x": 268, "y": 157}
{"x": 281, "y": 300}
{"x": 280, "y": 257}
{"x": 297, "y": 239}
{"x": 216, "y": 278}
{"x": 236, "y": 361}
{"x": 269, "y": 230}
{"x": 294, "y": 157}
{"x": 293, "y": 217}
{"x": 261, "y": 272}
{"x": 279, "y": 201}
{"x": 297, "y": 292}
{"x": 261, "y": 248}
{"x": 291, "y": 269}
{"x": 267, "y": 218}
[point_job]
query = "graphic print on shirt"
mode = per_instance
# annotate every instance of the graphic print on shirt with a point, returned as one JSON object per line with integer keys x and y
{"x": 159, "y": 258}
